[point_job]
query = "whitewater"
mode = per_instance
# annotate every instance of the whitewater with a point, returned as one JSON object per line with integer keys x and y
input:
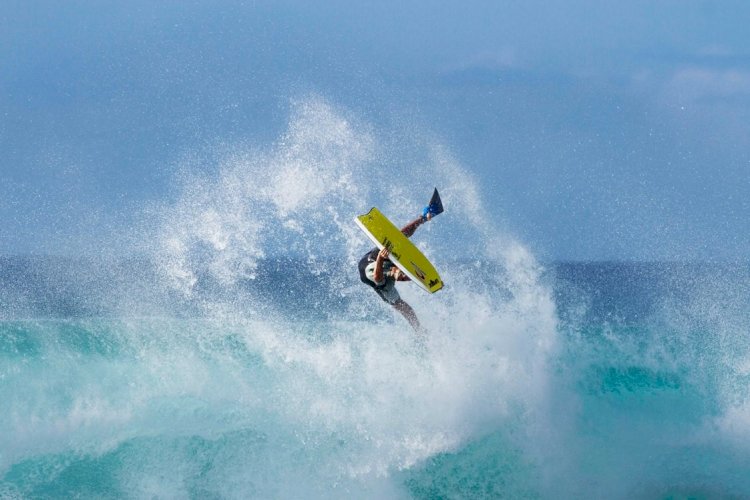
{"x": 222, "y": 346}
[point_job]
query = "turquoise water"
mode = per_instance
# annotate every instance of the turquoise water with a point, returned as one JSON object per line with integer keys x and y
{"x": 233, "y": 353}
{"x": 219, "y": 408}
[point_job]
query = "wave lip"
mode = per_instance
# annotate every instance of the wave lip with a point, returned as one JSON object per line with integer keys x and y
{"x": 238, "y": 349}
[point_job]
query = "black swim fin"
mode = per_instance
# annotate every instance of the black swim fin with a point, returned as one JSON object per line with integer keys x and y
{"x": 436, "y": 205}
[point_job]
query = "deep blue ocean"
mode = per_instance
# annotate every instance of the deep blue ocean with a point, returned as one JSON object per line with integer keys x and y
{"x": 222, "y": 346}
{"x": 611, "y": 380}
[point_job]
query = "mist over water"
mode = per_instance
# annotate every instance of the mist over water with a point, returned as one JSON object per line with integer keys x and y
{"x": 239, "y": 355}
{"x": 249, "y": 385}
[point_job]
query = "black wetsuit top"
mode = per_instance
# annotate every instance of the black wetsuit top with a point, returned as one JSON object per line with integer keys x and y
{"x": 385, "y": 290}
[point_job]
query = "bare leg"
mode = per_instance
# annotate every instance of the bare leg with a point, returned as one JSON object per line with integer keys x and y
{"x": 409, "y": 229}
{"x": 408, "y": 313}
{"x": 401, "y": 306}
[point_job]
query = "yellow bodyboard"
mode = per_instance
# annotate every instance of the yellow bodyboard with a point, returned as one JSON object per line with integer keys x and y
{"x": 404, "y": 253}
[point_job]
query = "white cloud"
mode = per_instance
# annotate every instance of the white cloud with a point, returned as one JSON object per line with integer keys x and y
{"x": 505, "y": 57}
{"x": 692, "y": 84}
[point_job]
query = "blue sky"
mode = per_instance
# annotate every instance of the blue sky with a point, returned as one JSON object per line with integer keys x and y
{"x": 599, "y": 129}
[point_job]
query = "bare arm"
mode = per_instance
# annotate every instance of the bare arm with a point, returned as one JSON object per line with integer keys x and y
{"x": 377, "y": 275}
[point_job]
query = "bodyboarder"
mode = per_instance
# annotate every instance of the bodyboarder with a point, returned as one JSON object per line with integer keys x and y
{"x": 377, "y": 271}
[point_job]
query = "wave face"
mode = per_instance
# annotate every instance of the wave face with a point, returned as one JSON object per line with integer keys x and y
{"x": 237, "y": 355}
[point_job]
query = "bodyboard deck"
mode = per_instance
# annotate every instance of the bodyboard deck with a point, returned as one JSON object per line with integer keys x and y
{"x": 403, "y": 253}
